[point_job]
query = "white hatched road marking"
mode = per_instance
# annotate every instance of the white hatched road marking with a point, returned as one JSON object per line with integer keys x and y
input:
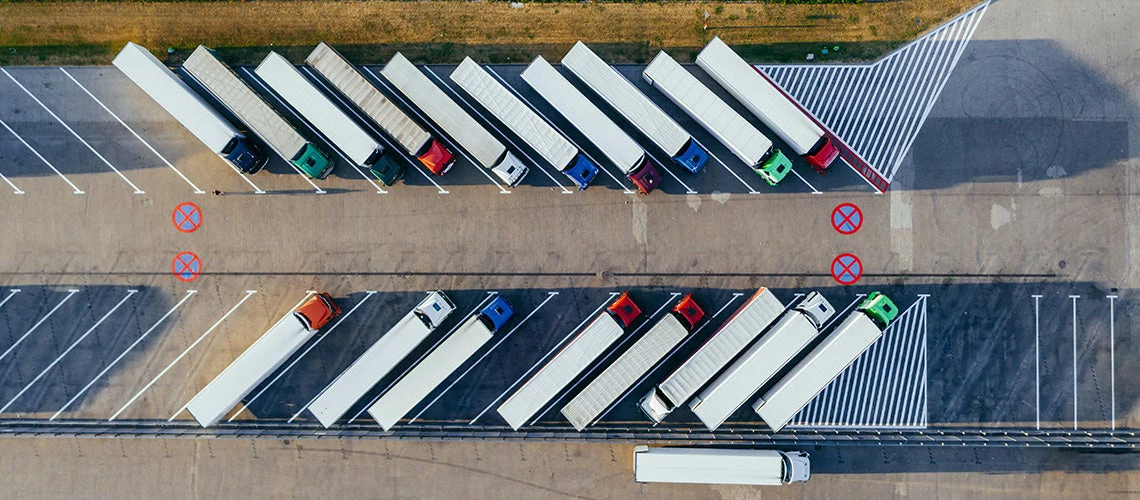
{"x": 69, "y": 129}
{"x": 132, "y": 131}
{"x": 882, "y": 105}
{"x": 266, "y": 91}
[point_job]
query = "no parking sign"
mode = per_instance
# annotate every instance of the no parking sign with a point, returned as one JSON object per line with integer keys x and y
{"x": 846, "y": 268}
{"x": 847, "y": 218}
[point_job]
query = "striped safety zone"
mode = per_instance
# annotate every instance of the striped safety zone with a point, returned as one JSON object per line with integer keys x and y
{"x": 883, "y": 388}
{"x": 874, "y": 111}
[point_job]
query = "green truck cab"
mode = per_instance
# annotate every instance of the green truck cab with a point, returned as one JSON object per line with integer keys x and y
{"x": 387, "y": 169}
{"x": 313, "y": 162}
{"x": 774, "y": 168}
{"x": 880, "y": 309}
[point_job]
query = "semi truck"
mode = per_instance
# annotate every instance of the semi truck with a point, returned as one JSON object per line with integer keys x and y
{"x": 262, "y": 358}
{"x": 440, "y": 363}
{"x": 621, "y": 95}
{"x": 771, "y": 105}
{"x": 344, "y": 133}
{"x": 441, "y": 109}
{"x": 720, "y": 466}
{"x": 759, "y": 311}
{"x": 186, "y": 106}
{"x": 826, "y": 361}
{"x": 717, "y": 117}
{"x": 412, "y": 137}
{"x": 550, "y": 144}
{"x": 614, "y": 143}
{"x": 574, "y": 357}
{"x": 218, "y": 79}
{"x": 604, "y": 390}
{"x": 756, "y": 367}
{"x": 381, "y": 358}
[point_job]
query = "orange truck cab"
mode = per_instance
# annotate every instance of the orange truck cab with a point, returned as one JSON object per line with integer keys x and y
{"x": 317, "y": 311}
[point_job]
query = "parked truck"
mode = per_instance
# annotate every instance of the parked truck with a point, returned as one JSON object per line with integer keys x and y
{"x": 381, "y": 358}
{"x": 720, "y": 349}
{"x": 621, "y": 95}
{"x": 826, "y": 361}
{"x": 717, "y": 117}
{"x": 720, "y": 466}
{"x": 186, "y": 106}
{"x": 771, "y": 105}
{"x": 412, "y": 137}
{"x": 258, "y": 115}
{"x": 564, "y": 367}
{"x": 614, "y": 143}
{"x": 604, "y": 390}
{"x": 551, "y": 145}
{"x": 261, "y": 359}
{"x": 313, "y": 105}
{"x": 465, "y": 130}
{"x": 756, "y": 367}
{"x": 440, "y": 363}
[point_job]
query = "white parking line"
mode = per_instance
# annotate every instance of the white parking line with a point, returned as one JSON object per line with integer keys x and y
{"x": 664, "y": 167}
{"x": 75, "y": 189}
{"x": 813, "y": 189}
{"x": 604, "y": 362}
{"x": 601, "y": 166}
{"x": 8, "y": 351}
{"x": 1112, "y": 354}
{"x": 132, "y": 131}
{"x": 66, "y": 351}
{"x": 1074, "y": 297}
{"x": 189, "y": 293}
{"x": 248, "y": 294}
{"x": 69, "y": 129}
{"x": 1037, "y": 353}
{"x": 281, "y": 104}
{"x": 344, "y": 105}
{"x": 548, "y": 354}
{"x": 549, "y": 295}
{"x": 447, "y": 89}
{"x": 11, "y": 293}
{"x": 15, "y": 189}
{"x": 281, "y": 373}
{"x": 751, "y": 190}
{"x": 835, "y": 317}
{"x": 373, "y": 401}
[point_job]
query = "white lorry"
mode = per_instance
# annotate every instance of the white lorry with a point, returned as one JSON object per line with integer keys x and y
{"x": 720, "y": 466}
{"x": 614, "y": 143}
{"x": 259, "y": 116}
{"x": 826, "y": 361}
{"x": 604, "y": 390}
{"x": 186, "y": 106}
{"x": 551, "y": 145}
{"x": 380, "y": 358}
{"x": 412, "y": 137}
{"x": 440, "y": 363}
{"x": 765, "y": 100}
{"x": 720, "y": 349}
{"x": 717, "y": 117}
{"x": 756, "y": 367}
{"x": 574, "y": 357}
{"x": 261, "y": 359}
{"x": 621, "y": 95}
{"x": 344, "y": 133}
{"x": 441, "y": 109}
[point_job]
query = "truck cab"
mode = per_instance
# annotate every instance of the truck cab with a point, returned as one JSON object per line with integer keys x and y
{"x": 692, "y": 157}
{"x": 655, "y": 406}
{"x": 437, "y": 158}
{"x": 434, "y": 309}
{"x": 821, "y": 156}
{"x": 496, "y": 314}
{"x": 387, "y": 169}
{"x": 689, "y": 313}
{"x": 246, "y": 154}
{"x": 317, "y": 311}
{"x": 624, "y": 310}
{"x": 510, "y": 170}
{"x": 880, "y": 309}
{"x": 313, "y": 162}
{"x": 646, "y": 177}
{"x": 816, "y": 309}
{"x": 774, "y": 167}
{"x": 797, "y": 466}
{"x": 582, "y": 171}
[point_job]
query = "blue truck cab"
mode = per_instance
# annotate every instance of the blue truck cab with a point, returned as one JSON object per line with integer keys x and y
{"x": 496, "y": 314}
{"x": 582, "y": 171}
{"x": 247, "y": 155}
{"x": 692, "y": 157}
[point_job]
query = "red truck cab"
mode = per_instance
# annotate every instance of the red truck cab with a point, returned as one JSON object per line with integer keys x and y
{"x": 689, "y": 312}
{"x": 624, "y": 310}
{"x": 821, "y": 156}
{"x": 646, "y": 177}
{"x": 317, "y": 311}
{"x": 437, "y": 158}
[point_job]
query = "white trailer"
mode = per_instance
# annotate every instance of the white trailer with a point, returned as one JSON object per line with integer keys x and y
{"x": 186, "y": 106}
{"x": 633, "y": 363}
{"x": 795, "y": 329}
{"x": 717, "y": 117}
{"x": 720, "y": 349}
{"x": 621, "y": 95}
{"x": 318, "y": 109}
{"x": 719, "y": 466}
{"x": 440, "y": 363}
{"x": 380, "y": 358}
{"x": 465, "y": 130}
{"x": 826, "y": 361}
{"x": 259, "y": 116}
{"x": 765, "y": 100}
{"x": 550, "y": 144}
{"x": 565, "y": 366}
{"x": 414, "y": 139}
{"x": 614, "y": 143}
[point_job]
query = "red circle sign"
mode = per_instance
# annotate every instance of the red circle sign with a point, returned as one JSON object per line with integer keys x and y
{"x": 187, "y": 217}
{"x": 186, "y": 266}
{"x": 846, "y": 268}
{"x": 847, "y": 218}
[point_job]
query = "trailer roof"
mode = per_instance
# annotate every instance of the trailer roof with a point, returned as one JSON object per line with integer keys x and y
{"x": 709, "y": 466}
